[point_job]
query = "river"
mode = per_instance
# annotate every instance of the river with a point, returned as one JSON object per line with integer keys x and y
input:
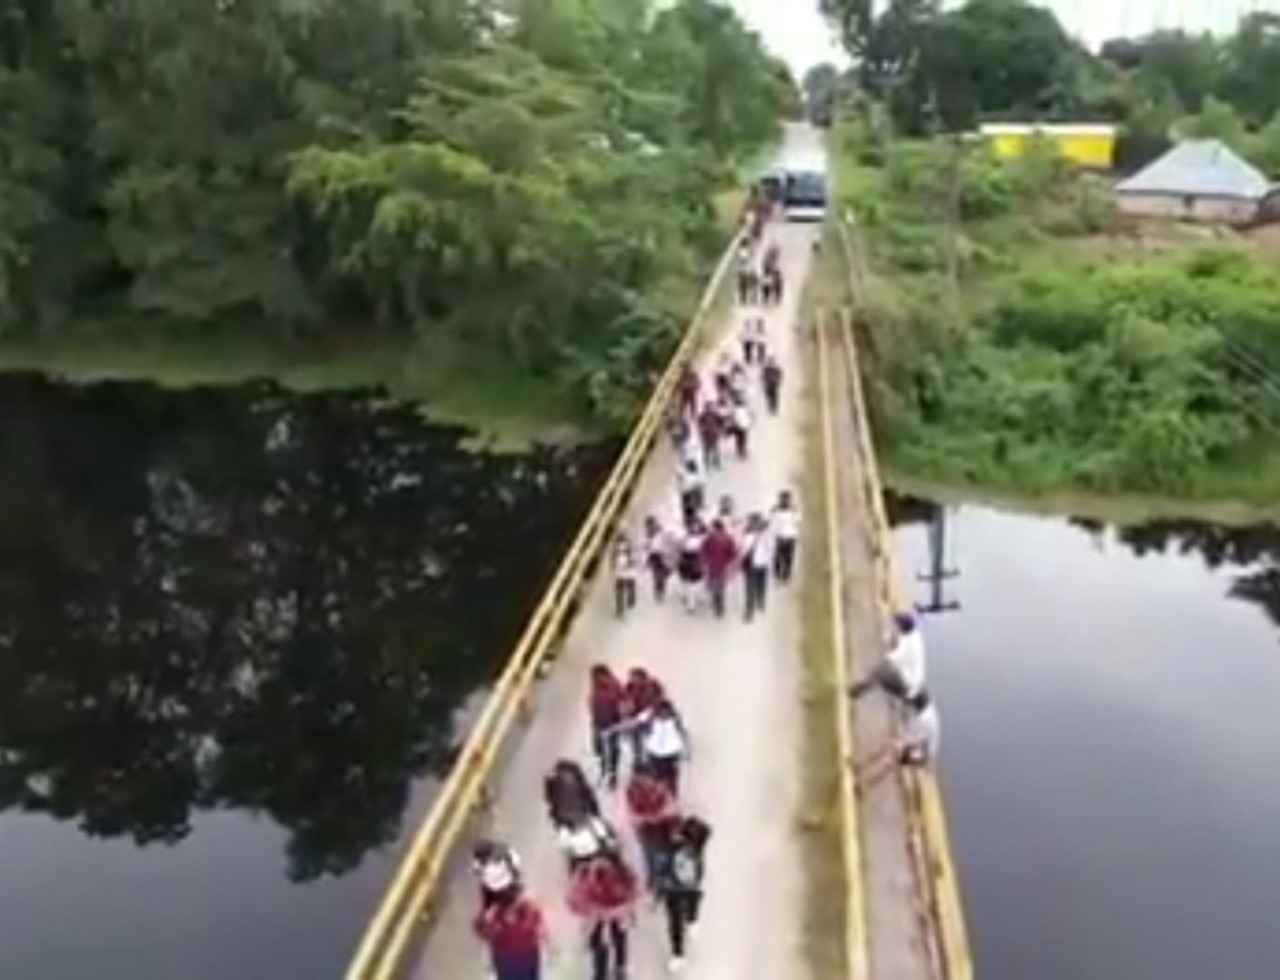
{"x": 1110, "y": 741}
{"x": 237, "y": 627}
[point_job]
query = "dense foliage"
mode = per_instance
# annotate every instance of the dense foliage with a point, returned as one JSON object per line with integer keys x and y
{"x": 1023, "y": 338}
{"x": 944, "y": 69}
{"x": 532, "y": 179}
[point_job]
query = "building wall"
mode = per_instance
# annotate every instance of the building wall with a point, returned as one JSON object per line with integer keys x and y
{"x": 1206, "y": 210}
{"x": 1093, "y": 150}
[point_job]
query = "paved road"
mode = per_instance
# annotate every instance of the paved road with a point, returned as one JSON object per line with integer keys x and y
{"x": 738, "y": 688}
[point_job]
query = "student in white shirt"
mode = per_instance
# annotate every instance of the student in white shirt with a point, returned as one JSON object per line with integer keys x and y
{"x": 901, "y": 673}
{"x": 740, "y": 425}
{"x": 917, "y": 747}
{"x": 693, "y": 485}
{"x": 784, "y": 522}
{"x": 626, "y": 570}
{"x": 757, "y": 557}
{"x": 666, "y": 745}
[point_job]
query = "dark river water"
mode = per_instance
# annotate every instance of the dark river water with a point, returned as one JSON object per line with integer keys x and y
{"x": 1111, "y": 743}
{"x": 236, "y": 630}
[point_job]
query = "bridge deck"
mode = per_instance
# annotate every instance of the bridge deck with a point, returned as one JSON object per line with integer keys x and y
{"x": 738, "y": 688}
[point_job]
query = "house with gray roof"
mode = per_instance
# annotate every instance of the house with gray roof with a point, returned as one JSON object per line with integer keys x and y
{"x": 1200, "y": 180}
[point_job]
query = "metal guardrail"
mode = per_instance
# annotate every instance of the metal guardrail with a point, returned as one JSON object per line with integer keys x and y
{"x": 407, "y": 902}
{"x": 856, "y": 922}
{"x": 925, "y": 794}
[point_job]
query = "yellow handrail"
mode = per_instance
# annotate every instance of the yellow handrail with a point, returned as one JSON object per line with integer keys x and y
{"x": 382, "y": 947}
{"x": 855, "y": 918}
{"x": 926, "y": 796}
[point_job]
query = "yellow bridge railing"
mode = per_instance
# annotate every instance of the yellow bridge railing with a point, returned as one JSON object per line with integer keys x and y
{"x": 407, "y": 902}
{"x": 947, "y": 907}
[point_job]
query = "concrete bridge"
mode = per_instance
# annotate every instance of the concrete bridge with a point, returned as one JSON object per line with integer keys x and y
{"x": 808, "y": 874}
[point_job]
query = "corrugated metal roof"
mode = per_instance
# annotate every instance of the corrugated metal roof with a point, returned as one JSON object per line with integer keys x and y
{"x": 1199, "y": 168}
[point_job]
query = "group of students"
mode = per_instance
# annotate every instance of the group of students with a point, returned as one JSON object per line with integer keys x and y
{"x": 760, "y": 277}
{"x": 634, "y": 717}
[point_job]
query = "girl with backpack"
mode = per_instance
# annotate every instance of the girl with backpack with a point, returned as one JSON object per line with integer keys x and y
{"x": 586, "y": 839}
{"x": 603, "y": 894}
{"x": 682, "y": 867}
{"x": 516, "y": 937}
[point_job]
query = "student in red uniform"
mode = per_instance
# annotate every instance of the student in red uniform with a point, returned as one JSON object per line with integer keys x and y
{"x": 603, "y": 894}
{"x": 687, "y": 390}
{"x": 568, "y": 795}
{"x": 709, "y": 435}
{"x": 642, "y": 693}
{"x": 515, "y": 935}
{"x": 651, "y": 806}
{"x": 605, "y": 701}
{"x": 719, "y": 554}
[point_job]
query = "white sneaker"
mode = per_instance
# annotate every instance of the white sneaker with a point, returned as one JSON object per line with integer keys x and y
{"x": 676, "y": 964}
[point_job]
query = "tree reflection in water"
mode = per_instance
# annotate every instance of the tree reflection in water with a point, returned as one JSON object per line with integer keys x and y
{"x": 240, "y": 598}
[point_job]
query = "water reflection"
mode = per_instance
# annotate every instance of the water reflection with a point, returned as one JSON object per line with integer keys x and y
{"x": 1108, "y": 745}
{"x": 246, "y": 600}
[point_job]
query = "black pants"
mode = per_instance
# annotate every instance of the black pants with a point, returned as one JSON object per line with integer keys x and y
{"x": 624, "y": 595}
{"x": 756, "y": 582}
{"x": 682, "y": 912}
{"x": 784, "y": 558}
{"x": 739, "y": 442}
{"x": 711, "y": 452}
{"x": 666, "y": 769}
{"x": 606, "y": 741}
{"x": 608, "y": 944}
{"x": 771, "y": 392}
{"x": 690, "y": 504}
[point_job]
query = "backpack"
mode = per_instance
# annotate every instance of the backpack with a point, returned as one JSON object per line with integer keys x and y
{"x": 686, "y": 869}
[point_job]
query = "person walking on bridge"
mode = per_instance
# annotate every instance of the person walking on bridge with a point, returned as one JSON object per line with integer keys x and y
{"x": 651, "y": 806}
{"x": 606, "y": 701}
{"x": 659, "y": 556}
{"x": 681, "y": 870}
{"x": 497, "y": 869}
{"x": 666, "y": 745}
{"x": 901, "y": 673}
{"x": 516, "y": 937}
{"x": 693, "y": 488}
{"x": 757, "y": 564}
{"x": 719, "y": 557}
{"x": 642, "y": 694}
{"x": 710, "y": 431}
{"x": 626, "y": 570}
{"x": 690, "y": 566}
{"x": 603, "y": 893}
{"x": 568, "y": 794}
{"x": 784, "y": 522}
{"x": 771, "y": 382}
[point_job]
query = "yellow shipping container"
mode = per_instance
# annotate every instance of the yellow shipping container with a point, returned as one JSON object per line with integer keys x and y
{"x": 1090, "y": 145}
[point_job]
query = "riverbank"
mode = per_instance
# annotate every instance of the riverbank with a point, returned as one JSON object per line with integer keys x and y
{"x": 1037, "y": 346}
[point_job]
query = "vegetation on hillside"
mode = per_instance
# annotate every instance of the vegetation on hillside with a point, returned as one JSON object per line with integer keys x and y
{"x": 1025, "y": 338}
{"x": 517, "y": 188}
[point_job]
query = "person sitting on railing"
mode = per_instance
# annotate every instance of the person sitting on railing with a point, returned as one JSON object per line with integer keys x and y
{"x": 917, "y": 747}
{"x": 568, "y": 794}
{"x": 516, "y": 937}
{"x": 901, "y": 673}
{"x": 497, "y": 869}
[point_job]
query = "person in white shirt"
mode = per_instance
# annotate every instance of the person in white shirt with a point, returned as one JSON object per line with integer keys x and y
{"x": 918, "y": 745}
{"x": 757, "y": 558}
{"x": 666, "y": 745}
{"x": 784, "y": 522}
{"x": 901, "y": 673}
{"x": 626, "y": 570}
{"x": 740, "y": 425}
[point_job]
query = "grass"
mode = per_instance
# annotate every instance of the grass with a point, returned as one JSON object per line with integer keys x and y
{"x": 511, "y": 407}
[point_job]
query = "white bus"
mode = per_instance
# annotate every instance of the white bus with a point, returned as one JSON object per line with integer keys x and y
{"x": 799, "y": 185}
